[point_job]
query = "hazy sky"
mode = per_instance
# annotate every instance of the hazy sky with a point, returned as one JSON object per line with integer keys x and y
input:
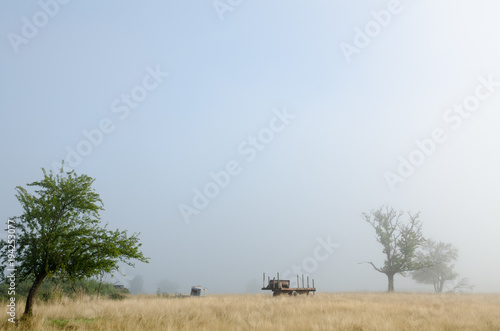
{"x": 242, "y": 137}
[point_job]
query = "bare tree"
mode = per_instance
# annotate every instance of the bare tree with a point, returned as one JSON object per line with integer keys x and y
{"x": 398, "y": 239}
{"x": 460, "y": 285}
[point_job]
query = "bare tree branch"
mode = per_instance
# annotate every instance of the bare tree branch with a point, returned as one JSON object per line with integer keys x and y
{"x": 373, "y": 265}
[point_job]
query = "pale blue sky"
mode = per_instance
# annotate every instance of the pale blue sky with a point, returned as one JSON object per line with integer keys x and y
{"x": 225, "y": 77}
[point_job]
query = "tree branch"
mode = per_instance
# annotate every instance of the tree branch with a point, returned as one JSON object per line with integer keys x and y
{"x": 373, "y": 265}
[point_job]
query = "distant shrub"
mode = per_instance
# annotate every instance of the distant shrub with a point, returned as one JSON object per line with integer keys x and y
{"x": 117, "y": 296}
{"x": 161, "y": 294}
{"x": 54, "y": 289}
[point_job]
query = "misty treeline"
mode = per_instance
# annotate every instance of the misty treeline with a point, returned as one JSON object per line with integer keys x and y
{"x": 408, "y": 253}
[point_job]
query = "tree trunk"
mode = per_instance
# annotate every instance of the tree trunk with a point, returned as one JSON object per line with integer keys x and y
{"x": 390, "y": 287}
{"x": 28, "y": 310}
{"x": 441, "y": 284}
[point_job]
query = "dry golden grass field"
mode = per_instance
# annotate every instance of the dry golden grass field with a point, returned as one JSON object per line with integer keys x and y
{"x": 340, "y": 311}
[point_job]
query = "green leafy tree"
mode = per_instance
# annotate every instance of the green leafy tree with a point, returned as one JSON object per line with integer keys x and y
{"x": 440, "y": 257}
{"x": 398, "y": 239}
{"x": 60, "y": 234}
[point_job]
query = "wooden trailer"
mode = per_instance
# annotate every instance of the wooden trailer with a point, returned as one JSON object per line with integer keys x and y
{"x": 282, "y": 286}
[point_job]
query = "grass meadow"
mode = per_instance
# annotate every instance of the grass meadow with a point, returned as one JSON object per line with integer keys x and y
{"x": 323, "y": 311}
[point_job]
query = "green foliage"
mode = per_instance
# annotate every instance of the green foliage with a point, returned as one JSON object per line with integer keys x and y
{"x": 439, "y": 258}
{"x": 63, "y": 322}
{"x": 60, "y": 235}
{"x": 399, "y": 241}
{"x": 117, "y": 296}
{"x": 53, "y": 289}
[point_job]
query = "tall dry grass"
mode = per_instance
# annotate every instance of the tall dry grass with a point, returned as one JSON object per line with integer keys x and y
{"x": 342, "y": 311}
